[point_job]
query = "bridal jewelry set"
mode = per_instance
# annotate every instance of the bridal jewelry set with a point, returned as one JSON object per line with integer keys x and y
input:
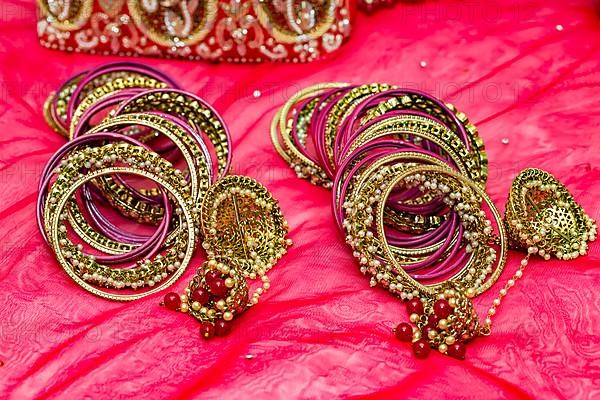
{"x": 128, "y": 124}
{"x": 144, "y": 179}
{"x": 407, "y": 175}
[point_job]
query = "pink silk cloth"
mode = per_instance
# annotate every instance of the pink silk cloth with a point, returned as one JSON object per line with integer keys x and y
{"x": 321, "y": 331}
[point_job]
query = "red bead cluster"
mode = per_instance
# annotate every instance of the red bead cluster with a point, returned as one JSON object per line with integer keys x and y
{"x": 219, "y": 328}
{"x": 216, "y": 285}
{"x": 212, "y": 289}
{"x": 421, "y": 338}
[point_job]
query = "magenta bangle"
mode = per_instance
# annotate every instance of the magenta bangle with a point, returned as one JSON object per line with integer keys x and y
{"x": 439, "y": 244}
{"x": 117, "y": 67}
{"x": 150, "y": 246}
{"x": 197, "y": 133}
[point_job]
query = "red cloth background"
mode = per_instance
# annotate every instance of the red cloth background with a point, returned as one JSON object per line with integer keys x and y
{"x": 321, "y": 332}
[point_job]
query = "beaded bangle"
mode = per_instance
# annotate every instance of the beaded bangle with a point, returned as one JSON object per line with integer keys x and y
{"x": 76, "y": 218}
{"x": 82, "y": 267}
{"x": 128, "y": 202}
{"x": 361, "y": 129}
{"x": 198, "y": 114}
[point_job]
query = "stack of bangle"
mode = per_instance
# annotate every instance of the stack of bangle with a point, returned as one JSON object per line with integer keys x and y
{"x": 356, "y": 140}
{"x": 128, "y": 123}
{"x": 407, "y": 174}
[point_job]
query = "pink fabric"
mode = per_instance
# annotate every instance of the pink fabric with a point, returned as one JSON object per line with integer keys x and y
{"x": 321, "y": 332}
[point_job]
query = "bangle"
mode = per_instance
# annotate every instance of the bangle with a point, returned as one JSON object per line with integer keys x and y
{"x": 198, "y": 114}
{"x": 77, "y": 219}
{"x": 82, "y": 267}
{"x": 98, "y": 77}
{"x": 105, "y": 92}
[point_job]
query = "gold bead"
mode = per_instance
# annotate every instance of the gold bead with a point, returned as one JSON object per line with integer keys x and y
{"x": 442, "y": 348}
{"x": 229, "y": 282}
{"x": 184, "y": 308}
{"x": 432, "y": 334}
{"x": 414, "y": 318}
{"x": 416, "y": 335}
{"x": 470, "y": 293}
{"x": 450, "y": 340}
{"x": 227, "y": 316}
{"x": 196, "y": 306}
{"x": 443, "y": 324}
{"x": 452, "y": 302}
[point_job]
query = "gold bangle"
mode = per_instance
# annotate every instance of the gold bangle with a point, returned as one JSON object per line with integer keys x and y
{"x": 81, "y": 267}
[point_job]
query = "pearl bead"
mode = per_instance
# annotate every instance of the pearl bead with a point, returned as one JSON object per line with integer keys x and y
{"x": 519, "y": 273}
{"x": 227, "y": 316}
